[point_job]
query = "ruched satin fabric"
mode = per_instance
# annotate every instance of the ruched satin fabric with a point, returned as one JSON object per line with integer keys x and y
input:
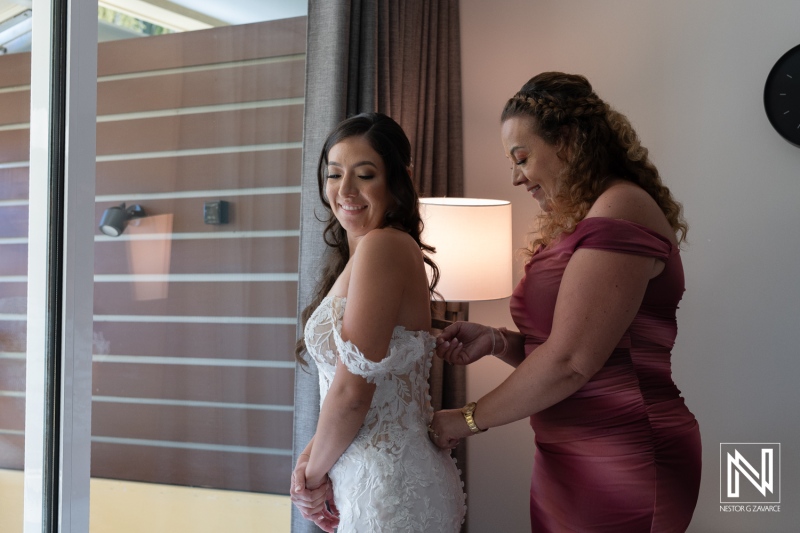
{"x": 623, "y": 453}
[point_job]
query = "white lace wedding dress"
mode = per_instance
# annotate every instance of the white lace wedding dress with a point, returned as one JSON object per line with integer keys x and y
{"x": 392, "y": 478}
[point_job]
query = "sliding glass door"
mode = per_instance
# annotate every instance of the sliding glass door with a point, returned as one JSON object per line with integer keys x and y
{"x": 149, "y": 306}
{"x": 15, "y": 78}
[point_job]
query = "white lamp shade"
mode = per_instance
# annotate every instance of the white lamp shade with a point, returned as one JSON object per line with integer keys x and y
{"x": 472, "y": 238}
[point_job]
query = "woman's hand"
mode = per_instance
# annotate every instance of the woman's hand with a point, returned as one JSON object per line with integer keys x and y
{"x": 314, "y": 503}
{"x": 328, "y": 518}
{"x": 463, "y": 343}
{"x": 448, "y": 427}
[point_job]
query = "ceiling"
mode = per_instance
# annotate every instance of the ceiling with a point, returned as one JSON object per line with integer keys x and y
{"x": 244, "y": 11}
{"x": 179, "y": 15}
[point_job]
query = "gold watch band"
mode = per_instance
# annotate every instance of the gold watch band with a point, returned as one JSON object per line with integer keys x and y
{"x": 468, "y": 411}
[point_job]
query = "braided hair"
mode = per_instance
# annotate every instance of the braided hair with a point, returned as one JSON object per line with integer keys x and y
{"x": 597, "y": 145}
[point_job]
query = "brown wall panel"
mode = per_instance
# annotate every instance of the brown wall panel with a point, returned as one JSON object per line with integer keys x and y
{"x": 12, "y": 413}
{"x": 14, "y": 183}
{"x": 12, "y": 375}
{"x": 205, "y": 256}
{"x": 156, "y": 91}
{"x": 12, "y": 452}
{"x": 14, "y": 259}
{"x": 13, "y": 297}
{"x": 273, "y": 168}
{"x": 15, "y": 146}
{"x": 234, "y": 84}
{"x": 16, "y": 69}
{"x": 13, "y": 335}
{"x": 207, "y": 425}
{"x": 202, "y": 131}
{"x": 246, "y": 213}
{"x": 251, "y": 299}
{"x": 273, "y": 386}
{"x": 15, "y": 221}
{"x": 217, "y": 45}
{"x": 258, "y": 342}
{"x": 234, "y": 471}
{"x": 15, "y": 107}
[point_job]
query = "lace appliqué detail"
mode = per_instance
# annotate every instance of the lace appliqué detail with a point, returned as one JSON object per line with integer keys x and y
{"x": 391, "y": 478}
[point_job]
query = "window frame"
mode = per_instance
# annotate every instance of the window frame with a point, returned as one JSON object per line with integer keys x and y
{"x": 60, "y": 266}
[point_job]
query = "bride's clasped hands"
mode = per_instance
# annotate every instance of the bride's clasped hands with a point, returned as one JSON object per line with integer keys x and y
{"x": 315, "y": 502}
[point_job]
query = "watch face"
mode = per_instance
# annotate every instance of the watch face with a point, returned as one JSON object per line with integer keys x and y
{"x": 782, "y": 96}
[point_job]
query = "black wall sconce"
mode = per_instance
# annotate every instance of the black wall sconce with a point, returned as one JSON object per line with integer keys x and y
{"x": 115, "y": 218}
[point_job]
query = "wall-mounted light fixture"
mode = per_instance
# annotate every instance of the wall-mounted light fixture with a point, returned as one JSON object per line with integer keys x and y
{"x": 115, "y": 218}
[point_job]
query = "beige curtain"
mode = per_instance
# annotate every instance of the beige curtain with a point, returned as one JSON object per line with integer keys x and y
{"x": 401, "y": 58}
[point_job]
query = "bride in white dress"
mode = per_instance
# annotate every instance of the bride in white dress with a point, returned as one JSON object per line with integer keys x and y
{"x": 370, "y": 466}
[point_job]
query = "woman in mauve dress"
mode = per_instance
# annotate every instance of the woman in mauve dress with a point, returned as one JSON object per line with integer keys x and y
{"x": 617, "y": 450}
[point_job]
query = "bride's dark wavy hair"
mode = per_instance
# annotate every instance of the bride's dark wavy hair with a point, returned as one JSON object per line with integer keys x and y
{"x": 388, "y": 139}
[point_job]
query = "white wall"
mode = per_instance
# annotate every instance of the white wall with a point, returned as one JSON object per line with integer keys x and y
{"x": 690, "y": 75}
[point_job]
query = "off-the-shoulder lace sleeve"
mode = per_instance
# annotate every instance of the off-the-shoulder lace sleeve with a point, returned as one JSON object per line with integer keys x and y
{"x": 622, "y": 236}
{"x": 324, "y": 340}
{"x": 397, "y": 361}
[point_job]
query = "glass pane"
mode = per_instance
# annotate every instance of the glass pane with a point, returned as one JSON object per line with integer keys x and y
{"x": 199, "y": 132}
{"x": 15, "y": 76}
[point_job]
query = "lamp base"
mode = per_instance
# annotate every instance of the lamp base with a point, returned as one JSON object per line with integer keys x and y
{"x": 445, "y": 313}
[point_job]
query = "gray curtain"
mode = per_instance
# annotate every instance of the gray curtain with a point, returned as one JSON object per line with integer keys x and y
{"x": 401, "y": 58}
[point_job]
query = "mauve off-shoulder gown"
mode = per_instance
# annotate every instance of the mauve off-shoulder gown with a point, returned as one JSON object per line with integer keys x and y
{"x": 623, "y": 453}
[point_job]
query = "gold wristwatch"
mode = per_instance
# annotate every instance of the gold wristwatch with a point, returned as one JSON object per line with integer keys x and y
{"x": 467, "y": 411}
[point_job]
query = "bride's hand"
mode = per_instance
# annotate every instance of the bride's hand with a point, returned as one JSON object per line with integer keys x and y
{"x": 462, "y": 343}
{"x": 309, "y": 501}
{"x": 314, "y": 503}
{"x": 328, "y": 518}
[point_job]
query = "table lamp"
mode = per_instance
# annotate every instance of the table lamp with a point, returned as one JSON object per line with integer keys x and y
{"x": 472, "y": 237}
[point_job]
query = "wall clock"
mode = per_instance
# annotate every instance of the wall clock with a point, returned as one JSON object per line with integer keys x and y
{"x": 782, "y": 96}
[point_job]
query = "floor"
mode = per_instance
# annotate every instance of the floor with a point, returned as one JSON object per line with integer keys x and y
{"x": 128, "y": 507}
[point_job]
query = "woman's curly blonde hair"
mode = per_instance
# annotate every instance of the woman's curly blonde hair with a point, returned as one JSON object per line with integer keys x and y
{"x": 597, "y": 145}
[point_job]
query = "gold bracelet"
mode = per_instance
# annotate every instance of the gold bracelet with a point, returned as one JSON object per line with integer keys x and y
{"x": 468, "y": 411}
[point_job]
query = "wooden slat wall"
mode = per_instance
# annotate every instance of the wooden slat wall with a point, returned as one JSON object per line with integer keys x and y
{"x": 14, "y": 112}
{"x": 195, "y": 386}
